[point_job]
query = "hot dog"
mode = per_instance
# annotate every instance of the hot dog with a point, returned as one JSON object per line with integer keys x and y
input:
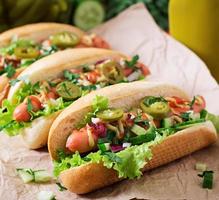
{"x": 19, "y": 47}
{"x": 123, "y": 130}
{"x": 54, "y": 82}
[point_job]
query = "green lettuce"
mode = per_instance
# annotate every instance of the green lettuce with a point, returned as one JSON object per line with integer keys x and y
{"x": 214, "y": 119}
{"x": 99, "y": 103}
{"x": 12, "y": 127}
{"x": 128, "y": 162}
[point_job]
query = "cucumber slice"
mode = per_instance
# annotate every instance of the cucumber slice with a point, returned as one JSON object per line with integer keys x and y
{"x": 26, "y": 175}
{"x": 42, "y": 176}
{"x": 45, "y": 195}
{"x": 138, "y": 130}
{"x": 89, "y": 14}
{"x": 167, "y": 122}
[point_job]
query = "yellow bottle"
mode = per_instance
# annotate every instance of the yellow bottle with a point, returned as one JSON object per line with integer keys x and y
{"x": 196, "y": 24}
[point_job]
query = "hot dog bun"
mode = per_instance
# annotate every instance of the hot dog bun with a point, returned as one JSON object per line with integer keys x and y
{"x": 52, "y": 67}
{"x": 86, "y": 178}
{"x": 37, "y": 32}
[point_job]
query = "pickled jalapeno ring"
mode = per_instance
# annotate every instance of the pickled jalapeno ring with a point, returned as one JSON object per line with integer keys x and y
{"x": 65, "y": 39}
{"x": 68, "y": 90}
{"x": 111, "y": 114}
{"x": 26, "y": 52}
{"x": 156, "y": 109}
{"x": 112, "y": 72}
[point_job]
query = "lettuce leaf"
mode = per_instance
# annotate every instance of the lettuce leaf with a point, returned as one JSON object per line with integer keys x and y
{"x": 99, "y": 103}
{"x": 128, "y": 163}
{"x": 12, "y": 127}
{"x": 214, "y": 119}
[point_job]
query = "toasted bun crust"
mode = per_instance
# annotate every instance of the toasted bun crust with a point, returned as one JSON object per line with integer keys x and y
{"x": 124, "y": 95}
{"x": 86, "y": 178}
{"x": 90, "y": 177}
{"x": 52, "y": 66}
{"x": 37, "y": 32}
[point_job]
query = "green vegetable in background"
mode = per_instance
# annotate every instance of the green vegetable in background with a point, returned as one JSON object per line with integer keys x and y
{"x": 85, "y": 14}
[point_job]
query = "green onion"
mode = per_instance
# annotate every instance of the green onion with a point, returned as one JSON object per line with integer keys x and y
{"x": 104, "y": 147}
{"x": 207, "y": 179}
{"x": 142, "y": 138}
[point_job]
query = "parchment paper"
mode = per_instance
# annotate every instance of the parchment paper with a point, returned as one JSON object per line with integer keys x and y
{"x": 132, "y": 32}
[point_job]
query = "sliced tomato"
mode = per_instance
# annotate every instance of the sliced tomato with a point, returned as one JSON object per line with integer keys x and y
{"x": 100, "y": 43}
{"x": 178, "y": 105}
{"x": 79, "y": 141}
{"x": 127, "y": 71}
{"x": 92, "y": 76}
{"x": 144, "y": 69}
{"x": 199, "y": 104}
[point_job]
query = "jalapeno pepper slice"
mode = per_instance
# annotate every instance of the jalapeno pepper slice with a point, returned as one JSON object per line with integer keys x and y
{"x": 68, "y": 90}
{"x": 111, "y": 114}
{"x": 65, "y": 39}
{"x": 26, "y": 52}
{"x": 112, "y": 72}
{"x": 158, "y": 109}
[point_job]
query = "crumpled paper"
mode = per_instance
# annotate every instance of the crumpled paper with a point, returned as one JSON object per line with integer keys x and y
{"x": 132, "y": 32}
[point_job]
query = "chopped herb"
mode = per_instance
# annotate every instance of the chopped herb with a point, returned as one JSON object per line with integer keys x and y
{"x": 10, "y": 70}
{"x": 192, "y": 102}
{"x": 185, "y": 115}
{"x": 61, "y": 188}
{"x": 132, "y": 62}
{"x": 207, "y": 179}
{"x": 203, "y": 114}
{"x": 52, "y": 84}
{"x": 89, "y": 87}
{"x": 139, "y": 120}
{"x": 71, "y": 76}
{"x": 29, "y": 105}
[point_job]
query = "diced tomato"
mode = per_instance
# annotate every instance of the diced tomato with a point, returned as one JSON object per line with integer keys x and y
{"x": 100, "y": 43}
{"x": 127, "y": 71}
{"x": 144, "y": 69}
{"x": 21, "y": 113}
{"x": 75, "y": 70}
{"x": 52, "y": 94}
{"x": 36, "y": 104}
{"x": 199, "y": 104}
{"x": 79, "y": 141}
{"x": 178, "y": 105}
{"x": 92, "y": 76}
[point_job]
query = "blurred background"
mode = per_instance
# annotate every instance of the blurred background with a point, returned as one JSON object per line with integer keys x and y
{"x": 85, "y": 14}
{"x": 194, "y": 23}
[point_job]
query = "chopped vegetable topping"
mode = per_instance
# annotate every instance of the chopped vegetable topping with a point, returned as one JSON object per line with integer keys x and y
{"x": 46, "y": 195}
{"x": 28, "y": 175}
{"x": 207, "y": 179}
{"x": 124, "y": 139}
{"x": 57, "y": 93}
{"x": 201, "y": 167}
